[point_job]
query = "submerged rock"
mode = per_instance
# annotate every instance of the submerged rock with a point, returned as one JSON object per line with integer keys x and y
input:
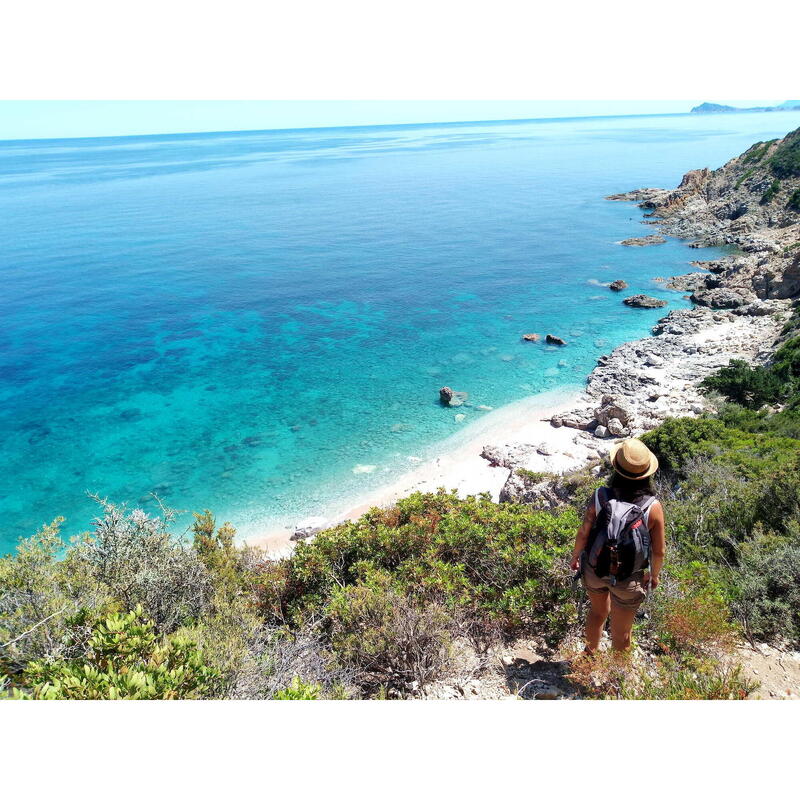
{"x": 644, "y": 301}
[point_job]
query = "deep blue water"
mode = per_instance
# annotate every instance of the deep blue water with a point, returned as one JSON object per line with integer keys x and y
{"x": 251, "y": 322}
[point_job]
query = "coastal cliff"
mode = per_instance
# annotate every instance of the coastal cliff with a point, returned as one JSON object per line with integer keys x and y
{"x": 742, "y": 301}
{"x": 447, "y": 593}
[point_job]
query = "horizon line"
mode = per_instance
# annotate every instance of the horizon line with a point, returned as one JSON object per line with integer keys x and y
{"x": 349, "y": 127}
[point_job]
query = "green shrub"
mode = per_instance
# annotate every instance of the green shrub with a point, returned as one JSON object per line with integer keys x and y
{"x": 691, "y": 616}
{"x": 755, "y": 153}
{"x": 678, "y": 442}
{"x": 785, "y": 162}
{"x": 297, "y": 690}
{"x": 768, "y": 601}
{"x": 389, "y": 637}
{"x": 530, "y": 475}
{"x": 771, "y": 192}
{"x": 505, "y": 562}
{"x": 138, "y": 561}
{"x": 126, "y": 660}
{"x": 744, "y": 176}
{"x": 47, "y": 603}
{"x": 690, "y": 679}
{"x": 619, "y": 676}
{"x": 793, "y": 202}
{"x": 748, "y": 386}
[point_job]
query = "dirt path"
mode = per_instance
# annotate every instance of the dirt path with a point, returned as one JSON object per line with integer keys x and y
{"x": 777, "y": 671}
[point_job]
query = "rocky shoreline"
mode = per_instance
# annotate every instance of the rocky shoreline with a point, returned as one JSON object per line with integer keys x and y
{"x": 741, "y": 304}
{"x": 740, "y": 301}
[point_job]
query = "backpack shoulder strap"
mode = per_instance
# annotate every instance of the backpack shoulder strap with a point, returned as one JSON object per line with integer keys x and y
{"x": 601, "y": 497}
{"x": 646, "y": 503}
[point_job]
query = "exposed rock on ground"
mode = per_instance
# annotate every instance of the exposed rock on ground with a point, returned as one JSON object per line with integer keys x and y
{"x": 644, "y": 241}
{"x": 644, "y": 301}
{"x": 308, "y": 528}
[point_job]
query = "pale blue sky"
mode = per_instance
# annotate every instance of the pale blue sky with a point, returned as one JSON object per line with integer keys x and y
{"x": 67, "y": 118}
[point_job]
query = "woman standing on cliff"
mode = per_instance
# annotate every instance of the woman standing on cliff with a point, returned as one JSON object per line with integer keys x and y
{"x": 631, "y": 483}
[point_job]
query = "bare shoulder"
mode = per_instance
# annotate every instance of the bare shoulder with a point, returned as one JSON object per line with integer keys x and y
{"x": 657, "y": 510}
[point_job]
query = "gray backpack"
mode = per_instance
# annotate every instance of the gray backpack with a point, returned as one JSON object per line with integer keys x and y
{"x": 619, "y": 542}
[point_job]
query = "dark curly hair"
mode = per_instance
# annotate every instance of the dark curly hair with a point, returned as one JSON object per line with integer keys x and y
{"x": 629, "y": 490}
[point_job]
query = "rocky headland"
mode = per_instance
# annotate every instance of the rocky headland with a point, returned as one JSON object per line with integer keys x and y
{"x": 752, "y": 204}
{"x": 741, "y": 301}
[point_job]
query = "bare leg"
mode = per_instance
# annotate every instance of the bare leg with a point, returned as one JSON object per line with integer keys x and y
{"x": 621, "y": 625}
{"x": 596, "y": 618}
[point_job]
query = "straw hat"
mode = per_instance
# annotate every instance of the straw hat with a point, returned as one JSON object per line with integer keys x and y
{"x": 633, "y": 460}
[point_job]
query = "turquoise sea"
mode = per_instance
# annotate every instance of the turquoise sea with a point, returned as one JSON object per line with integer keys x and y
{"x": 259, "y": 323}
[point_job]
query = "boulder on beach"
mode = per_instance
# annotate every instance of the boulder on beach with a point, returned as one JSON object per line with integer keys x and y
{"x": 448, "y": 397}
{"x": 618, "y": 285}
{"x": 644, "y": 301}
{"x": 644, "y": 241}
{"x": 308, "y": 528}
{"x": 615, "y": 427}
{"x": 572, "y": 421}
{"x": 613, "y": 408}
{"x": 723, "y": 298}
{"x": 530, "y": 337}
{"x": 550, "y": 339}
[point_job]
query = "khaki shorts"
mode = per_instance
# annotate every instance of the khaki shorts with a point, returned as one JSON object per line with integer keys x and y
{"x": 625, "y": 594}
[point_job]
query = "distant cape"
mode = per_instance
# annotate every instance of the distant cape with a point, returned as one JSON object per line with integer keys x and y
{"x": 717, "y": 108}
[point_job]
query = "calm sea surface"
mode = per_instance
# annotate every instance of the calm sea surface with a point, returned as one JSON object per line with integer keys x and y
{"x": 259, "y": 323}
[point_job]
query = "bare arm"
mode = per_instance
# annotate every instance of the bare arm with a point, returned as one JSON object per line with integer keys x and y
{"x": 657, "y": 544}
{"x": 583, "y": 535}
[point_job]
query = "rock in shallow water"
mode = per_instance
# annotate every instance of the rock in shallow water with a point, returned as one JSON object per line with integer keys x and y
{"x": 644, "y": 301}
{"x": 617, "y": 286}
{"x": 448, "y": 397}
{"x": 550, "y": 339}
{"x": 644, "y": 241}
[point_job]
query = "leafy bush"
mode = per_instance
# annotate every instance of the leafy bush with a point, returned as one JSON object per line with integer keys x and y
{"x": 134, "y": 556}
{"x": 748, "y": 386}
{"x": 793, "y": 202}
{"x": 47, "y": 604}
{"x": 769, "y": 194}
{"x": 785, "y": 162}
{"x": 619, "y": 676}
{"x": 691, "y": 616}
{"x": 768, "y": 601}
{"x": 125, "y": 660}
{"x": 677, "y": 442}
{"x": 755, "y": 153}
{"x": 389, "y": 636}
{"x": 503, "y": 562}
{"x": 530, "y": 475}
{"x": 297, "y": 690}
